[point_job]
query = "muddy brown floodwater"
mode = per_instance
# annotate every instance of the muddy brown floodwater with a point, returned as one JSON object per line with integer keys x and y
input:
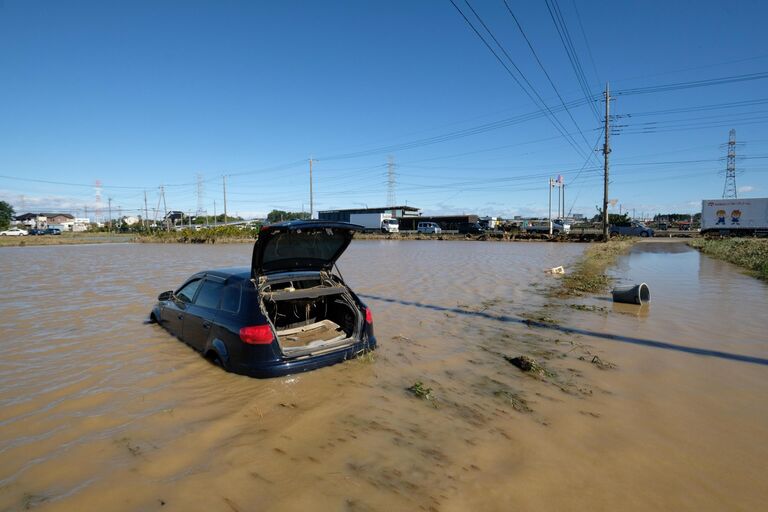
{"x": 659, "y": 408}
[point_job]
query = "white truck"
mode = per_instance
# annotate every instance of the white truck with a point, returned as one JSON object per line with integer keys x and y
{"x": 735, "y": 216}
{"x": 376, "y": 222}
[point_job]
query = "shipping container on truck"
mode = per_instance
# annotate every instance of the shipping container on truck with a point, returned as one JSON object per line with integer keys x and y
{"x": 734, "y": 217}
{"x": 375, "y": 222}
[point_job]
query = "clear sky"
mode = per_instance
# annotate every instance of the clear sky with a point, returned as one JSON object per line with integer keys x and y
{"x": 139, "y": 94}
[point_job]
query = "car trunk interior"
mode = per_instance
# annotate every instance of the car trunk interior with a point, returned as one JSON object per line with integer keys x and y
{"x": 311, "y": 315}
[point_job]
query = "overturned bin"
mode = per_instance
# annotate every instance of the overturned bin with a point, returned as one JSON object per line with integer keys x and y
{"x": 637, "y": 294}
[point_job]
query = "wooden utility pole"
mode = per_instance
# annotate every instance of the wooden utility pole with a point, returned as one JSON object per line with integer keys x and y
{"x": 550, "y": 206}
{"x": 146, "y": 211}
{"x": 165, "y": 209}
{"x": 109, "y": 200}
{"x": 606, "y": 151}
{"x": 224, "y": 183}
{"x": 311, "y": 196}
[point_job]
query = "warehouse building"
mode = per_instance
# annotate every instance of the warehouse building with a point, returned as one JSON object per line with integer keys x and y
{"x": 398, "y": 212}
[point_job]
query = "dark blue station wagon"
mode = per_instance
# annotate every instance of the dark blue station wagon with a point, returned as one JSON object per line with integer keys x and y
{"x": 287, "y": 313}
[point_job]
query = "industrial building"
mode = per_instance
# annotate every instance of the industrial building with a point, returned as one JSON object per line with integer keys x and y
{"x": 398, "y": 212}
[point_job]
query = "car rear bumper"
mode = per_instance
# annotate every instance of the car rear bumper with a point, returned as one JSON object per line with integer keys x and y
{"x": 292, "y": 366}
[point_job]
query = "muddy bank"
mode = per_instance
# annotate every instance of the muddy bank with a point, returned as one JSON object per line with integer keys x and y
{"x": 101, "y": 411}
{"x": 64, "y": 239}
{"x": 589, "y": 275}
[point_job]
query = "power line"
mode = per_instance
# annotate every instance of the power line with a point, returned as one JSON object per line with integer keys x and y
{"x": 692, "y": 84}
{"x": 552, "y": 118}
{"x": 573, "y": 58}
{"x": 541, "y": 65}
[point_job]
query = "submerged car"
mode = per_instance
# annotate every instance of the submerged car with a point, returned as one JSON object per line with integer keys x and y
{"x": 287, "y": 313}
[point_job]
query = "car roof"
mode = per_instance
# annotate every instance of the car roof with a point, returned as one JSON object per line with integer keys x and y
{"x": 231, "y": 274}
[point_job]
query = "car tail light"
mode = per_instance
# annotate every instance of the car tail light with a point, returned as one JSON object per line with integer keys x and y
{"x": 368, "y": 316}
{"x": 257, "y": 335}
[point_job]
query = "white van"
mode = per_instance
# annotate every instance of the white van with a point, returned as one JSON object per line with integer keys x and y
{"x": 428, "y": 227}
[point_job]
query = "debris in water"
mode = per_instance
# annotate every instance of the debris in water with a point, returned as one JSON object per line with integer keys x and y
{"x": 423, "y": 392}
{"x": 603, "y": 365}
{"x": 556, "y": 270}
{"x": 518, "y": 403}
{"x": 525, "y": 363}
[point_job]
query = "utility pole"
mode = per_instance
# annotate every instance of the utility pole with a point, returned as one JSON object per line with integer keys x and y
{"x": 146, "y": 211}
{"x": 109, "y": 200}
{"x": 550, "y": 206}
{"x": 562, "y": 185}
{"x": 606, "y": 151}
{"x": 311, "y": 195}
{"x": 224, "y": 183}
{"x": 165, "y": 209}
{"x": 214, "y": 212}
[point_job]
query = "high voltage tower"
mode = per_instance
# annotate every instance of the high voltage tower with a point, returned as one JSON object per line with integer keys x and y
{"x": 391, "y": 181}
{"x": 200, "y": 198}
{"x": 729, "y": 189}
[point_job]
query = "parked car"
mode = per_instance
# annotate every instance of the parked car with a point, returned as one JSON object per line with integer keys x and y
{"x": 35, "y": 231}
{"x": 428, "y": 228}
{"x": 542, "y": 226}
{"x": 471, "y": 227}
{"x": 287, "y": 313}
{"x": 14, "y": 232}
{"x": 52, "y": 231}
{"x": 634, "y": 229}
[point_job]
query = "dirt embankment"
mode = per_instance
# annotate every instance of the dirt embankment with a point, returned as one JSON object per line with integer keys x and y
{"x": 589, "y": 275}
{"x": 748, "y": 253}
{"x": 64, "y": 239}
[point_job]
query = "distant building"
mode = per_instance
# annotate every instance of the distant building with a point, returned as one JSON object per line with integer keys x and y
{"x": 45, "y": 220}
{"x": 395, "y": 211}
{"x": 81, "y": 224}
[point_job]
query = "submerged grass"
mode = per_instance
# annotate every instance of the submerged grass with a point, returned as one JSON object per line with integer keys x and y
{"x": 748, "y": 253}
{"x": 589, "y": 274}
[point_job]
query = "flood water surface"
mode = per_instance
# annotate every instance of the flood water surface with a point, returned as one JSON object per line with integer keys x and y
{"x": 99, "y": 410}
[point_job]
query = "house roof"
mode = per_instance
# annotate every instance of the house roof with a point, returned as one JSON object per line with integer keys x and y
{"x": 28, "y": 216}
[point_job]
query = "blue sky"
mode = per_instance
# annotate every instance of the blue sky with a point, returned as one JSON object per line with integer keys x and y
{"x": 142, "y": 94}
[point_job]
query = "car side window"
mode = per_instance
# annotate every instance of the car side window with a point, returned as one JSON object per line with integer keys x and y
{"x": 209, "y": 294}
{"x": 187, "y": 293}
{"x": 230, "y": 299}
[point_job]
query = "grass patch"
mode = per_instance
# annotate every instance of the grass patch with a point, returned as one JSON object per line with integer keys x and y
{"x": 748, "y": 253}
{"x": 589, "y": 275}
{"x": 223, "y": 234}
{"x": 419, "y": 390}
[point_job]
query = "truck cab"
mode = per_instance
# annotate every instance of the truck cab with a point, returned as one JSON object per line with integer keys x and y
{"x": 390, "y": 226}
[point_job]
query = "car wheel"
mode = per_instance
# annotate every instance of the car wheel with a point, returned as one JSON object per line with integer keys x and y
{"x": 644, "y": 234}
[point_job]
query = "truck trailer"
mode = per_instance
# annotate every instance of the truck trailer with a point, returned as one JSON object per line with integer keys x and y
{"x": 375, "y": 222}
{"x": 735, "y": 217}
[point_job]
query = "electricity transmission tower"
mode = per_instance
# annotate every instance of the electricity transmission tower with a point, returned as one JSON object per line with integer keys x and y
{"x": 200, "y": 196}
{"x": 729, "y": 189}
{"x": 391, "y": 181}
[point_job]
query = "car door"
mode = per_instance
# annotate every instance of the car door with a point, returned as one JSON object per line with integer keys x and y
{"x": 172, "y": 312}
{"x": 201, "y": 313}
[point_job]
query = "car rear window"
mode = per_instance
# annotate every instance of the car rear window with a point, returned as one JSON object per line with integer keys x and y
{"x": 230, "y": 299}
{"x": 209, "y": 294}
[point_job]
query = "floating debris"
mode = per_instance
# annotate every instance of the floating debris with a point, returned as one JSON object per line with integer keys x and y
{"x": 555, "y": 270}
{"x": 517, "y": 402}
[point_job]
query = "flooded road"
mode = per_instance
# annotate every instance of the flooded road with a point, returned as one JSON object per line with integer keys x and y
{"x": 101, "y": 411}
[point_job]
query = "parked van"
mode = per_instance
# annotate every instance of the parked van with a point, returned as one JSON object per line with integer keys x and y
{"x": 428, "y": 227}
